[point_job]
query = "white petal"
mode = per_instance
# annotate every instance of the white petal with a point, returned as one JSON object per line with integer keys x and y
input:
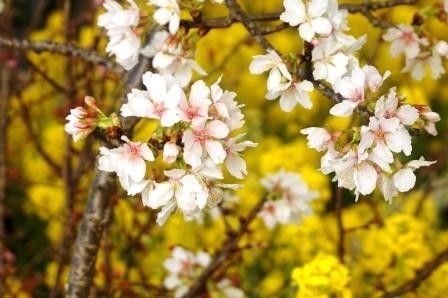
{"x": 404, "y": 179}
{"x": 216, "y": 151}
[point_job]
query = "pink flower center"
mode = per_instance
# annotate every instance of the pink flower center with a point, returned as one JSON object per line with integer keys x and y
{"x": 407, "y": 37}
{"x": 379, "y": 134}
{"x": 159, "y": 109}
{"x": 200, "y": 135}
{"x": 133, "y": 151}
{"x": 191, "y": 112}
{"x": 270, "y": 208}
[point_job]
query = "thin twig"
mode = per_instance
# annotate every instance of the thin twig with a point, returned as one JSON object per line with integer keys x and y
{"x": 62, "y": 49}
{"x": 229, "y": 247}
{"x": 421, "y": 275}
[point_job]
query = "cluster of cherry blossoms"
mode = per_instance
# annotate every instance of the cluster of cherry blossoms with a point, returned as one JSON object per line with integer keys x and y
{"x": 196, "y": 129}
{"x": 421, "y": 50}
{"x": 184, "y": 267}
{"x": 124, "y": 30}
{"x": 363, "y": 157}
{"x": 290, "y": 199}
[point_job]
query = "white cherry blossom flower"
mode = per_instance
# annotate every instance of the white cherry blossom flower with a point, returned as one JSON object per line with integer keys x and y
{"x": 430, "y": 118}
{"x": 329, "y": 62}
{"x": 417, "y": 66}
{"x": 116, "y": 16}
{"x": 318, "y": 138}
{"x": 229, "y": 290}
{"x": 404, "y": 179}
{"x": 170, "y": 152}
{"x": 181, "y": 190}
{"x": 183, "y": 267}
{"x": 170, "y": 57}
{"x": 225, "y": 107}
{"x": 388, "y": 107}
{"x": 160, "y": 102}
{"x": 292, "y": 202}
{"x": 355, "y": 172}
{"x": 234, "y": 163}
{"x": 128, "y": 161}
{"x": 310, "y": 19}
{"x": 80, "y": 124}
{"x": 272, "y": 62}
{"x": 205, "y": 138}
{"x": 387, "y": 134}
{"x": 441, "y": 48}
{"x": 168, "y": 12}
{"x": 125, "y": 45}
{"x": 195, "y": 109}
{"x": 293, "y": 93}
{"x": 404, "y": 39}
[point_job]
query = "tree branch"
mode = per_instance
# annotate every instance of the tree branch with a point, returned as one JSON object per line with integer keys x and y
{"x": 97, "y": 212}
{"x": 62, "y": 49}
{"x": 421, "y": 275}
{"x": 223, "y": 254}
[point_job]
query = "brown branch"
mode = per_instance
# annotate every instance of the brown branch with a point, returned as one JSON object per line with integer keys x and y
{"x": 226, "y": 22}
{"x": 97, "y": 212}
{"x": 229, "y": 247}
{"x": 26, "y": 118}
{"x": 4, "y": 99}
{"x": 238, "y": 14}
{"x": 421, "y": 275}
{"x": 62, "y": 49}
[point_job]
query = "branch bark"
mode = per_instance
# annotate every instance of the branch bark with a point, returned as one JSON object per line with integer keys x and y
{"x": 62, "y": 49}
{"x": 97, "y": 213}
{"x": 228, "y": 248}
{"x": 421, "y": 275}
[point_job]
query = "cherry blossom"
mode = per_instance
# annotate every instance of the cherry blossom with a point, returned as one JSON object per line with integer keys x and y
{"x": 417, "y": 66}
{"x": 119, "y": 23}
{"x": 170, "y": 152}
{"x": 80, "y": 123}
{"x": 292, "y": 199}
{"x": 168, "y": 12}
{"x": 292, "y": 94}
{"x": 170, "y": 56}
{"x": 404, "y": 39}
{"x": 329, "y": 61}
{"x": 318, "y": 138}
{"x": 404, "y": 179}
{"x": 181, "y": 190}
{"x": 128, "y": 161}
{"x": 429, "y": 118}
{"x": 311, "y": 19}
{"x": 235, "y": 164}
{"x": 159, "y": 102}
{"x": 195, "y": 109}
{"x": 388, "y": 107}
{"x": 225, "y": 107}
{"x": 272, "y": 62}
{"x": 182, "y": 267}
{"x": 116, "y": 16}
{"x": 204, "y": 137}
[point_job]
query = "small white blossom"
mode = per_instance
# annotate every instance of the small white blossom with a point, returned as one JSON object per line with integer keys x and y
{"x": 234, "y": 163}
{"x": 128, "y": 161}
{"x": 168, "y": 12}
{"x": 170, "y": 57}
{"x": 272, "y": 62}
{"x": 116, "y": 16}
{"x": 205, "y": 138}
{"x": 404, "y": 179}
{"x": 195, "y": 109}
{"x": 293, "y": 93}
{"x": 318, "y": 138}
{"x": 311, "y": 19}
{"x": 388, "y": 107}
{"x": 159, "y": 102}
{"x": 404, "y": 39}
{"x": 292, "y": 199}
{"x": 80, "y": 123}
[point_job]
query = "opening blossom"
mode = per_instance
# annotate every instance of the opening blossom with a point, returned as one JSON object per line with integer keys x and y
{"x": 404, "y": 39}
{"x": 291, "y": 199}
{"x": 159, "y": 102}
{"x": 168, "y": 12}
{"x": 272, "y": 62}
{"x": 311, "y": 19}
{"x": 124, "y": 43}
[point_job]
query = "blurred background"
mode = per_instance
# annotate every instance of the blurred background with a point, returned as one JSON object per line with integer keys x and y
{"x": 46, "y": 177}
